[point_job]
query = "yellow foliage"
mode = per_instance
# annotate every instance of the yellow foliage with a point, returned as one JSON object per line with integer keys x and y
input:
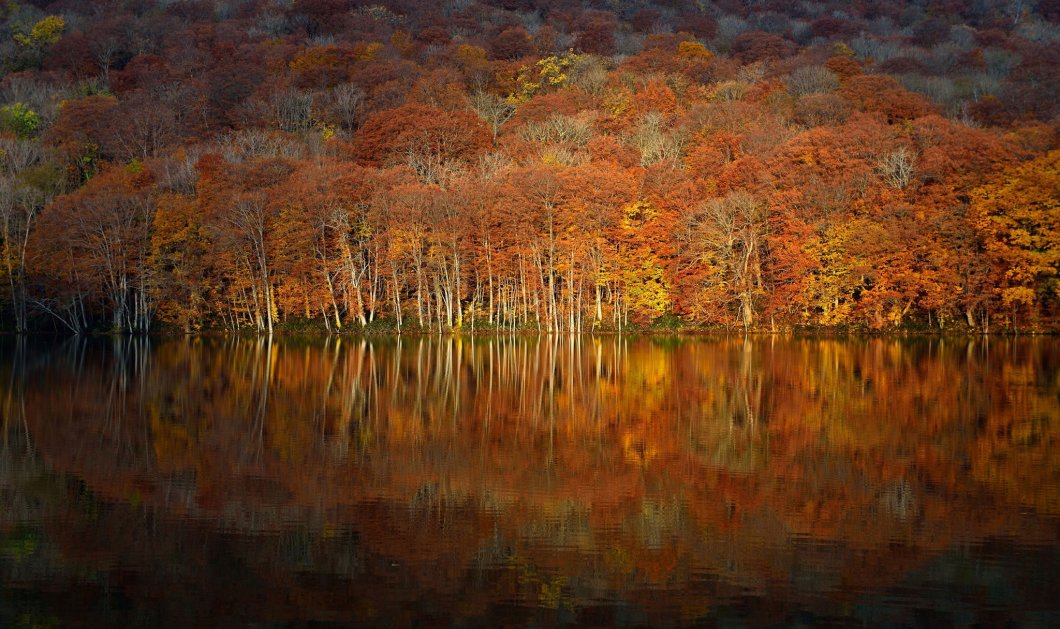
{"x": 44, "y": 33}
{"x": 468, "y": 54}
{"x": 316, "y": 57}
{"x": 693, "y": 51}
{"x": 327, "y": 131}
{"x": 1018, "y": 215}
{"x": 366, "y": 52}
{"x": 618, "y": 101}
{"x": 840, "y": 49}
{"x": 830, "y": 288}
{"x": 638, "y": 449}
{"x": 636, "y": 214}
{"x": 550, "y": 72}
{"x": 48, "y": 30}
{"x": 553, "y": 70}
{"x": 525, "y": 87}
{"x": 647, "y": 290}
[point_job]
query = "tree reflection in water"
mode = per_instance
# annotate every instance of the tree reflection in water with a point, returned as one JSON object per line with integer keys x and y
{"x": 483, "y": 480}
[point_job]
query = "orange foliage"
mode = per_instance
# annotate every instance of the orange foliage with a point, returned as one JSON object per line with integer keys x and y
{"x": 884, "y": 95}
{"x": 595, "y": 465}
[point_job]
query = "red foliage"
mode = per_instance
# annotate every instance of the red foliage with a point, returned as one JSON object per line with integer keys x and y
{"x": 882, "y": 94}
{"x": 597, "y": 34}
{"x": 434, "y": 36}
{"x": 760, "y": 46}
{"x": 864, "y": 185}
{"x": 829, "y": 26}
{"x": 606, "y": 148}
{"x": 701, "y": 25}
{"x": 843, "y": 67}
{"x": 387, "y": 137}
{"x": 511, "y": 43}
{"x": 644, "y": 20}
{"x": 542, "y": 106}
{"x": 902, "y": 65}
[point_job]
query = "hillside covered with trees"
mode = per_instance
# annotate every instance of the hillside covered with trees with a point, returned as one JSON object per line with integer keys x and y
{"x": 552, "y": 165}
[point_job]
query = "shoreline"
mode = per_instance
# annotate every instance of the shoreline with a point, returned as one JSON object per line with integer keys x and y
{"x": 690, "y": 333}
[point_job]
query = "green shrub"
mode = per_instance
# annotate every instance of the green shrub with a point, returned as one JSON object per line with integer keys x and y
{"x": 19, "y": 119}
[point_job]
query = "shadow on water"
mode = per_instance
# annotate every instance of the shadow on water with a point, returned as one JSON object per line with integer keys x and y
{"x": 484, "y": 481}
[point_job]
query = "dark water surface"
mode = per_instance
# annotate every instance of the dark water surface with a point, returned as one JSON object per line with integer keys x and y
{"x": 490, "y": 482}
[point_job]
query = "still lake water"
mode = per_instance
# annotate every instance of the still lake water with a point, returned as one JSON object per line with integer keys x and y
{"x": 530, "y": 481}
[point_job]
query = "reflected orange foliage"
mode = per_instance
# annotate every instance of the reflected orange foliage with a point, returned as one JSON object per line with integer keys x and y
{"x": 660, "y": 459}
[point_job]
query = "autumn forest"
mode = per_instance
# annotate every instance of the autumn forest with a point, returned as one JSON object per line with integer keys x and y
{"x": 529, "y": 165}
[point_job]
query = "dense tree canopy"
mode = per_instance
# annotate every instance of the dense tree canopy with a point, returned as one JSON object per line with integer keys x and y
{"x": 553, "y": 166}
